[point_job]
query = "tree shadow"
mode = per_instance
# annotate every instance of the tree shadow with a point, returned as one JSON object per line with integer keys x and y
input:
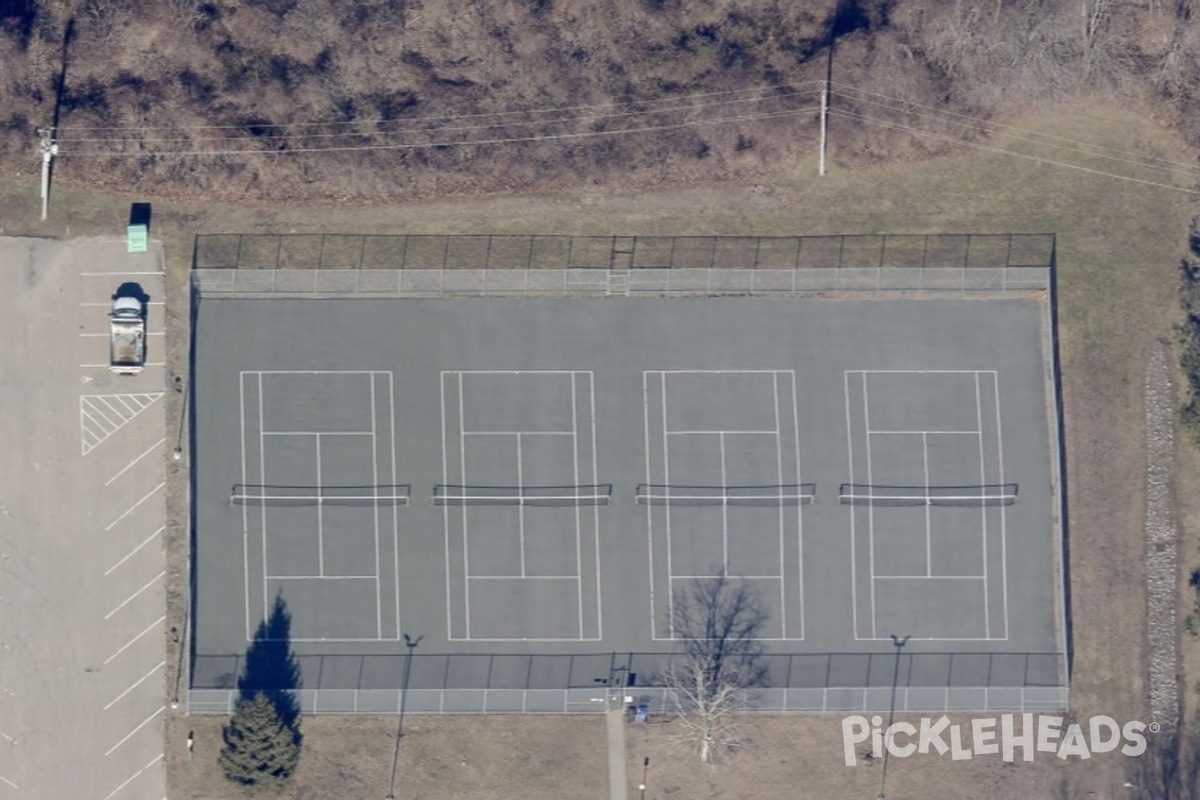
{"x": 271, "y": 667}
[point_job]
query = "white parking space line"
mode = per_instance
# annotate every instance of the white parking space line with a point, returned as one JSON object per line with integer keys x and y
{"x": 109, "y": 304}
{"x": 131, "y": 778}
{"x": 109, "y": 274}
{"x": 134, "y": 550}
{"x": 134, "y": 640}
{"x": 129, "y": 735}
{"x": 106, "y": 366}
{"x": 105, "y": 335}
{"x": 136, "y": 460}
{"x": 7, "y": 781}
{"x": 131, "y": 597}
{"x": 136, "y": 684}
{"x": 133, "y": 507}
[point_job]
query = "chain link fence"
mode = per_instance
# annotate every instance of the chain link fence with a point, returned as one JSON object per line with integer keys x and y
{"x": 538, "y": 683}
{"x": 464, "y": 265}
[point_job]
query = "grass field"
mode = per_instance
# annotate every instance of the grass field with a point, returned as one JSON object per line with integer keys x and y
{"x": 1118, "y": 249}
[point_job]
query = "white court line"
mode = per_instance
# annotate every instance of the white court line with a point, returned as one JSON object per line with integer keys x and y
{"x": 131, "y": 597}
{"x": 987, "y": 622}
{"x": 779, "y": 473}
{"x": 932, "y": 578}
{"x": 917, "y": 371}
{"x": 395, "y": 516}
{"x": 262, "y": 479}
{"x": 322, "y": 578}
{"x": 716, "y": 371}
{"x": 445, "y": 511}
{"x": 513, "y": 372}
{"x": 649, "y": 479}
{"x": 520, "y": 509}
{"x": 129, "y": 735}
{"x": 870, "y": 507}
{"x": 918, "y": 433}
{"x": 578, "y": 511}
{"x": 320, "y": 515}
{"x": 520, "y": 433}
{"x": 130, "y": 643}
{"x": 312, "y": 371}
{"x": 133, "y": 507}
{"x": 724, "y": 509}
{"x": 245, "y": 510}
{"x": 375, "y": 512}
{"x": 136, "y": 460}
{"x": 928, "y": 521}
{"x": 595, "y": 513}
{"x": 1003, "y": 509}
{"x": 129, "y": 780}
{"x": 526, "y": 578}
{"x": 714, "y": 433}
{"x": 135, "y": 684}
{"x": 853, "y": 536}
{"x": 317, "y": 433}
{"x": 132, "y": 552}
{"x": 799, "y": 509}
{"x": 667, "y": 510}
{"x": 462, "y": 440}
{"x": 717, "y": 577}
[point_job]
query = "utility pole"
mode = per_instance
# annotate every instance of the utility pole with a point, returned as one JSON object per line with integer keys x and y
{"x": 49, "y": 151}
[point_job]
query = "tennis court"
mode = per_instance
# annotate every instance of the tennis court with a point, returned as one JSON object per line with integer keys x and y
{"x": 530, "y": 484}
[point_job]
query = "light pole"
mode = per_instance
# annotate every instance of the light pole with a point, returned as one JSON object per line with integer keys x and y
{"x": 642, "y": 785}
{"x": 898, "y": 642}
{"x": 411, "y": 644}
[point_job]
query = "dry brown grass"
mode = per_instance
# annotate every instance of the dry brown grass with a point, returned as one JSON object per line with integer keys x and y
{"x": 1119, "y": 244}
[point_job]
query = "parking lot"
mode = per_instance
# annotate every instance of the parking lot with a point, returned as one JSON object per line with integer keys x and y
{"x": 81, "y": 526}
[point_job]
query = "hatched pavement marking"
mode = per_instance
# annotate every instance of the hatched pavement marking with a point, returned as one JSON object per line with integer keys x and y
{"x": 102, "y": 415}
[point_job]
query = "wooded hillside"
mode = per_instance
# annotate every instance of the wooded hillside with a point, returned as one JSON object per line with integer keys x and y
{"x": 416, "y": 97}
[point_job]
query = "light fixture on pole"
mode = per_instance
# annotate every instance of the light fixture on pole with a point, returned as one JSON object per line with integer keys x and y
{"x": 411, "y": 644}
{"x": 898, "y": 642}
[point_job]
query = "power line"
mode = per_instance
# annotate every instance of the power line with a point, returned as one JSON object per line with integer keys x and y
{"x": 989, "y": 124}
{"x": 1002, "y": 125}
{"x": 1040, "y": 159}
{"x": 444, "y": 129}
{"x": 133, "y": 129}
{"x": 459, "y": 143}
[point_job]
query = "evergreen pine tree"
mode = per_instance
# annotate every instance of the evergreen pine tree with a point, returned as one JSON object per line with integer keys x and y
{"x": 261, "y": 751}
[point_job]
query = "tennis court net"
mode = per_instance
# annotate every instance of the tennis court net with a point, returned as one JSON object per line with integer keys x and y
{"x": 661, "y": 494}
{"x": 864, "y": 494}
{"x": 281, "y": 495}
{"x": 598, "y": 494}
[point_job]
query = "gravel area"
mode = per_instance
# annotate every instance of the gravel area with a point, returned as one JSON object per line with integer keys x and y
{"x": 1162, "y": 537}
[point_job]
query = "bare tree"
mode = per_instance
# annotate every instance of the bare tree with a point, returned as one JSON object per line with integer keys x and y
{"x": 718, "y": 621}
